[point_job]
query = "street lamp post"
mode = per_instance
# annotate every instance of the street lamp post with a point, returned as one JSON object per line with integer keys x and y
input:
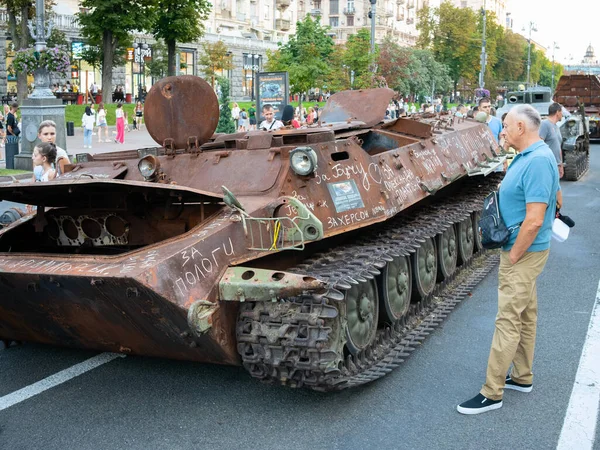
{"x": 140, "y": 50}
{"x": 531, "y": 28}
{"x": 41, "y": 75}
{"x": 372, "y": 16}
{"x": 255, "y": 66}
{"x": 554, "y": 47}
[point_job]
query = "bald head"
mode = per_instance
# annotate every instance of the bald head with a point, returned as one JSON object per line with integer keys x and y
{"x": 521, "y": 127}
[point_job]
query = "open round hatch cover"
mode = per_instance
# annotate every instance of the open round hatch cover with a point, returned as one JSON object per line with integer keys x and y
{"x": 183, "y": 108}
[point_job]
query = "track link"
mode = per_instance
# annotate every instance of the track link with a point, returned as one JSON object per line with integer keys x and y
{"x": 300, "y": 342}
{"x": 576, "y": 164}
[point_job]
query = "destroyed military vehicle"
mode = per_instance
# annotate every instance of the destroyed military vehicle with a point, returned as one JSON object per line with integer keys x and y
{"x": 315, "y": 257}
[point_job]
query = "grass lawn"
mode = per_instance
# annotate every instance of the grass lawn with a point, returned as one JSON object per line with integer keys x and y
{"x": 8, "y": 172}
{"x": 73, "y": 113}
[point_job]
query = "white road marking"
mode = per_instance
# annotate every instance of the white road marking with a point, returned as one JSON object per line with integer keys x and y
{"x": 58, "y": 378}
{"x": 579, "y": 429}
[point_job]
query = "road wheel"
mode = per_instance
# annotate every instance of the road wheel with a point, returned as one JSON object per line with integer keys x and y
{"x": 477, "y": 246}
{"x": 447, "y": 253}
{"x": 424, "y": 268}
{"x": 362, "y": 314}
{"x": 465, "y": 234}
{"x": 395, "y": 289}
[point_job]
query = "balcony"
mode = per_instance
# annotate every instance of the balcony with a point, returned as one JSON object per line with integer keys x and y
{"x": 400, "y": 2}
{"x": 63, "y": 22}
{"x": 283, "y": 4}
{"x": 350, "y": 11}
{"x": 315, "y": 12}
{"x": 410, "y": 4}
{"x": 388, "y": 13}
{"x": 400, "y": 16}
{"x": 282, "y": 24}
{"x": 410, "y": 21}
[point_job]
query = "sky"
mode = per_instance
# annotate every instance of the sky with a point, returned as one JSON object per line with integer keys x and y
{"x": 572, "y": 24}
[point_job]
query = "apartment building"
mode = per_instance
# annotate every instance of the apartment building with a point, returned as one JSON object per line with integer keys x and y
{"x": 394, "y": 18}
{"x": 499, "y": 7}
{"x": 248, "y": 27}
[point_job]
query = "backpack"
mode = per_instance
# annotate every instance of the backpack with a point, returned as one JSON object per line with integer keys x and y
{"x": 492, "y": 229}
{"x": 243, "y": 115}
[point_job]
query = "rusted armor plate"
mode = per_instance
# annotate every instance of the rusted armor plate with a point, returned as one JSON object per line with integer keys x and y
{"x": 81, "y": 192}
{"x": 172, "y": 110}
{"x": 345, "y": 105}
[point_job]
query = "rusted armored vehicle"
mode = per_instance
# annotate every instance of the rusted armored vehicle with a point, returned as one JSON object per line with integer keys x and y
{"x": 315, "y": 257}
{"x": 574, "y": 91}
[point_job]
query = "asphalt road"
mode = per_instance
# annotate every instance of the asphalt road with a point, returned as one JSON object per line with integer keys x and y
{"x": 144, "y": 403}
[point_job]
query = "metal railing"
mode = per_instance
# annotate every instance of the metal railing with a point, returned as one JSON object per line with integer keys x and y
{"x": 60, "y": 21}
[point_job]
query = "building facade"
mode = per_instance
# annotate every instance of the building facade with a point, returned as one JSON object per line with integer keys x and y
{"x": 393, "y": 18}
{"x": 588, "y": 65}
{"x": 247, "y": 27}
{"x": 247, "y": 33}
{"x": 498, "y": 7}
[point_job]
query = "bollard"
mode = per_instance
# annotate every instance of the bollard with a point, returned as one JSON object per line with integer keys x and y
{"x": 11, "y": 148}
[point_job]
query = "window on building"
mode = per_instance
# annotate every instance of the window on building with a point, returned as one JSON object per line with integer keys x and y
{"x": 334, "y": 7}
{"x": 252, "y": 65}
{"x": 186, "y": 62}
{"x": 334, "y": 22}
{"x": 350, "y": 21}
{"x": 317, "y": 4}
{"x": 267, "y": 10}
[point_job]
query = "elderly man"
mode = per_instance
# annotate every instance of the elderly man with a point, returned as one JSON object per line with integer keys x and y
{"x": 529, "y": 196}
{"x": 550, "y": 133}
{"x": 270, "y": 123}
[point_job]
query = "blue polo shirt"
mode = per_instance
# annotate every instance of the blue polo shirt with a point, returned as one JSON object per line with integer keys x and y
{"x": 531, "y": 178}
{"x": 495, "y": 125}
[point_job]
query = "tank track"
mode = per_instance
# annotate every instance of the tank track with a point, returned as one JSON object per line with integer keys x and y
{"x": 300, "y": 342}
{"x": 577, "y": 162}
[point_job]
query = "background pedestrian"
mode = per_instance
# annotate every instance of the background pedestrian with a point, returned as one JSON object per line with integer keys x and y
{"x": 120, "y": 124}
{"x": 87, "y": 121}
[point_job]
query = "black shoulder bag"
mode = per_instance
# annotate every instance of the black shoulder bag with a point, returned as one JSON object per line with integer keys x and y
{"x": 493, "y": 231}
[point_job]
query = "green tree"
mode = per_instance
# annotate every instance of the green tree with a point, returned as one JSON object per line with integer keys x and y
{"x": 108, "y": 24}
{"x": 435, "y": 75}
{"x": 454, "y": 40}
{"x": 511, "y": 54}
{"x": 57, "y": 38}
{"x": 215, "y": 59}
{"x": 305, "y": 56}
{"x": 358, "y": 59}
{"x": 179, "y": 21}
{"x": 157, "y": 67}
{"x": 338, "y": 78}
{"x": 94, "y": 55}
{"x": 426, "y": 26}
{"x": 226, "y": 123}
{"x": 19, "y": 12}
{"x": 399, "y": 67}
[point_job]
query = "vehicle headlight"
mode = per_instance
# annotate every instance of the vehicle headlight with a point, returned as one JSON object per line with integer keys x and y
{"x": 148, "y": 167}
{"x": 303, "y": 160}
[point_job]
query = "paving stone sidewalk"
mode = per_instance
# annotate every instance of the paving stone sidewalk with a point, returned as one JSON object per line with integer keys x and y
{"x": 134, "y": 139}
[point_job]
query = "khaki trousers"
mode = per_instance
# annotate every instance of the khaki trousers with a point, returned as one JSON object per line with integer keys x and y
{"x": 514, "y": 337}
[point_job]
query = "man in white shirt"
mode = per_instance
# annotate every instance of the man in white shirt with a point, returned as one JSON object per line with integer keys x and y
{"x": 270, "y": 123}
